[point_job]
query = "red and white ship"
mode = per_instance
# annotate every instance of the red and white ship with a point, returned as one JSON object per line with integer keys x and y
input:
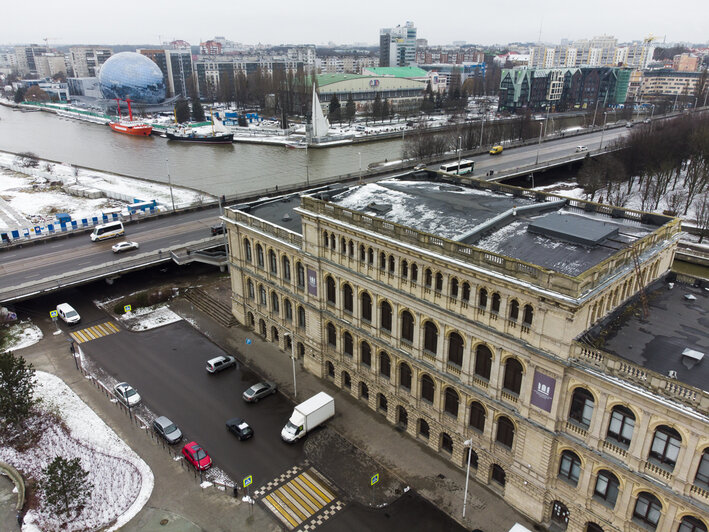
{"x": 130, "y": 126}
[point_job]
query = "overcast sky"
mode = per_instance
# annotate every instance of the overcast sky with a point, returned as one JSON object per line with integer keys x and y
{"x": 323, "y": 21}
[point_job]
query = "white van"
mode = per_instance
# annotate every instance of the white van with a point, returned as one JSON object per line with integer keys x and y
{"x": 68, "y": 314}
{"x": 109, "y": 230}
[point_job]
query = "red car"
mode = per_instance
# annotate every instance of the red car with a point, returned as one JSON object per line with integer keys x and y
{"x": 197, "y": 456}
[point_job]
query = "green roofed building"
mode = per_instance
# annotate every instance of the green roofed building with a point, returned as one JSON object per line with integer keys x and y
{"x": 403, "y": 94}
{"x": 408, "y": 72}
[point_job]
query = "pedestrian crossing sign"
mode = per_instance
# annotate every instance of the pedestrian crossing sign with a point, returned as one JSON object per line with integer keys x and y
{"x": 53, "y": 313}
{"x": 127, "y": 309}
{"x": 248, "y": 341}
{"x": 375, "y": 479}
{"x": 248, "y": 480}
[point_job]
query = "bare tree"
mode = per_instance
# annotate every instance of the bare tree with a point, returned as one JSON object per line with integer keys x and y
{"x": 701, "y": 216}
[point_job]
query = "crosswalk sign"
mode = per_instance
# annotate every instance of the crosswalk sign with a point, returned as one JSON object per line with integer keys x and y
{"x": 374, "y": 480}
{"x": 248, "y": 480}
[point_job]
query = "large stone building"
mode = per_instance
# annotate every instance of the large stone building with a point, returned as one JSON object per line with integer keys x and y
{"x": 470, "y": 315}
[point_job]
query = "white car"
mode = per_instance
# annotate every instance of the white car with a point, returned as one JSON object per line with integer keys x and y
{"x": 126, "y": 394}
{"x": 124, "y": 246}
{"x": 68, "y": 314}
{"x": 581, "y": 148}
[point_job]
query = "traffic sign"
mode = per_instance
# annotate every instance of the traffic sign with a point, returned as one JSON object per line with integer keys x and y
{"x": 53, "y": 313}
{"x": 375, "y": 479}
{"x": 127, "y": 309}
{"x": 248, "y": 480}
{"x": 248, "y": 341}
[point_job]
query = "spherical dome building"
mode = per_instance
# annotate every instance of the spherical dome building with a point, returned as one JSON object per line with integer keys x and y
{"x": 132, "y": 75}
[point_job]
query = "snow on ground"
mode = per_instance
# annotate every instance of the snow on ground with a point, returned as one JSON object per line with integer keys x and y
{"x": 122, "y": 482}
{"x": 145, "y": 318}
{"x": 23, "y": 334}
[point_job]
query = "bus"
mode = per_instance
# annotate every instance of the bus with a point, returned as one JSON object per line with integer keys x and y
{"x": 466, "y": 167}
{"x": 109, "y": 230}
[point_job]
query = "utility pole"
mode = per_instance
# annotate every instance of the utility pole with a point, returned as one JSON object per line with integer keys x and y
{"x": 539, "y": 145}
{"x": 603, "y": 131}
{"x": 459, "y": 143}
{"x": 169, "y": 181}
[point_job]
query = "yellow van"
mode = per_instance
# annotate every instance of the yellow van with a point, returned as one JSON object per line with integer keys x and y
{"x": 495, "y": 150}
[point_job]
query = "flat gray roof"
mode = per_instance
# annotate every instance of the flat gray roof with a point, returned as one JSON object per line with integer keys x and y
{"x": 278, "y": 211}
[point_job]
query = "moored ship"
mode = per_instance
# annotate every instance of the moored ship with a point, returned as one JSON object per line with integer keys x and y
{"x": 130, "y": 126}
{"x": 216, "y": 134}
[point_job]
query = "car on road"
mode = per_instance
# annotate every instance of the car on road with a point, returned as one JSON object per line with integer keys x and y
{"x": 629, "y": 124}
{"x": 126, "y": 394}
{"x": 124, "y": 246}
{"x": 258, "y": 391}
{"x": 68, "y": 314}
{"x": 581, "y": 148}
{"x": 217, "y": 364}
{"x": 420, "y": 167}
{"x": 167, "y": 429}
{"x": 239, "y": 428}
{"x": 496, "y": 150}
{"x": 196, "y": 456}
{"x": 647, "y": 121}
{"x": 217, "y": 229}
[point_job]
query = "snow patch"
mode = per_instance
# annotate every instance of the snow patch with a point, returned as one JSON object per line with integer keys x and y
{"x": 23, "y": 334}
{"x": 146, "y": 318}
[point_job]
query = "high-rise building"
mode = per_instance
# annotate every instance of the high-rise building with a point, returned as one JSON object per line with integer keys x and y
{"x": 49, "y": 64}
{"x": 177, "y": 69}
{"x": 26, "y": 62}
{"x": 87, "y": 60}
{"x": 397, "y": 46}
{"x": 600, "y": 51}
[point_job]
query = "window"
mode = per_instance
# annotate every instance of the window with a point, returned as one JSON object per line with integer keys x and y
{"x": 273, "y": 261}
{"x": 439, "y": 282}
{"x": 648, "y": 510}
{"x": 471, "y": 457}
{"x": 665, "y": 446}
{"x": 593, "y": 527}
{"x": 351, "y": 249}
{"x": 407, "y": 327}
{"x": 528, "y": 315}
{"x": 348, "y": 298}
{"x": 343, "y": 246}
{"x": 252, "y": 291}
{"x": 259, "y": 255}
{"x": 301, "y": 350}
{"x": 262, "y": 294}
{"x": 451, "y": 402}
{"x": 691, "y": 524}
{"x": 364, "y": 391}
{"x": 454, "y": 288}
{"x": 366, "y": 307}
{"x": 482, "y": 298}
{"x": 466, "y": 292}
{"x": 330, "y": 369}
{"x": 382, "y": 261}
{"x": 286, "y": 268}
{"x": 385, "y": 316}
{"x": 414, "y": 273}
{"x": 247, "y": 250}
{"x": 392, "y": 264}
{"x": 301, "y": 317}
{"x": 607, "y": 486}
{"x": 447, "y": 443}
{"x": 621, "y": 425}
{"x": 325, "y": 239}
{"x": 404, "y": 269}
{"x": 513, "y": 376}
{"x": 402, "y": 417}
{"x": 495, "y": 307}
{"x": 428, "y": 278}
{"x": 702, "y": 476}
{"x": 330, "y": 289}
{"x": 581, "y": 407}
{"x": 382, "y": 403}
{"x": 405, "y": 376}
{"x": 424, "y": 431}
{"x": 427, "y": 388}
{"x": 274, "y": 302}
{"x": 505, "y": 432}
{"x": 252, "y": 320}
{"x": 477, "y": 416}
{"x": 514, "y": 310}
{"x": 362, "y": 253}
{"x": 301, "y": 275}
{"x": 483, "y": 362}
{"x": 370, "y": 256}
{"x": 570, "y": 467}
{"x": 331, "y": 335}
{"x": 332, "y": 241}
{"x": 384, "y": 365}
{"x": 430, "y": 342}
{"x": 348, "y": 344}
{"x": 498, "y": 475}
{"x": 365, "y": 354}
{"x": 288, "y": 309}
{"x": 262, "y": 327}
{"x": 346, "y": 380}
{"x": 455, "y": 349}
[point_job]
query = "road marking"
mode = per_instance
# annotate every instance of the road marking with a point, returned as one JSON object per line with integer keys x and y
{"x": 94, "y": 332}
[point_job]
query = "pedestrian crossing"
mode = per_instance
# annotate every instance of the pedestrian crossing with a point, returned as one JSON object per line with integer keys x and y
{"x": 96, "y": 331}
{"x": 302, "y": 497}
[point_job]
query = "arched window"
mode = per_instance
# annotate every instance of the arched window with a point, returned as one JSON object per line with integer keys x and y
{"x": 301, "y": 274}
{"x": 382, "y": 403}
{"x": 451, "y": 402}
{"x": 702, "y": 477}
{"x": 424, "y": 430}
{"x": 414, "y": 273}
{"x": 513, "y": 376}
{"x": 262, "y": 327}
{"x": 560, "y": 515}
{"x": 454, "y": 288}
{"x": 331, "y": 335}
{"x": 455, "y": 349}
{"x": 247, "y": 250}
{"x": 514, "y": 310}
{"x": 286, "y": 268}
{"x": 288, "y": 309}
{"x": 477, "y": 416}
{"x": 482, "y": 298}
{"x": 348, "y": 344}
{"x": 498, "y": 475}
{"x": 274, "y": 302}
{"x": 606, "y": 489}
{"x": 346, "y": 380}
{"x": 301, "y": 350}
{"x": 385, "y": 316}
{"x": 301, "y": 317}
{"x": 427, "y": 388}
{"x": 593, "y": 527}
{"x": 621, "y": 425}
{"x": 350, "y": 247}
{"x": 382, "y": 260}
{"x": 505, "y": 431}
{"x": 262, "y": 294}
{"x": 528, "y": 315}
{"x": 471, "y": 457}
{"x": 581, "y": 409}
{"x": 332, "y": 241}
{"x": 370, "y": 256}
{"x": 648, "y": 510}
{"x": 343, "y": 246}
{"x": 402, "y": 417}
{"x": 330, "y": 369}
{"x": 466, "y": 291}
{"x": 691, "y": 524}
{"x": 407, "y": 327}
{"x": 348, "y": 298}
{"x": 446, "y": 443}
{"x": 273, "y": 261}
{"x": 570, "y": 467}
{"x": 330, "y": 289}
{"x": 384, "y": 365}
{"x": 252, "y": 291}
{"x": 483, "y": 361}
{"x": 430, "y": 342}
{"x": 362, "y": 253}
{"x": 495, "y": 307}
{"x": 428, "y": 278}
{"x": 365, "y": 354}
{"x": 364, "y": 391}
{"x": 405, "y": 376}
{"x": 366, "y": 307}
{"x": 252, "y": 320}
{"x": 404, "y": 269}
{"x": 325, "y": 239}
{"x": 392, "y": 264}
{"x": 439, "y": 282}
{"x": 665, "y": 446}
{"x": 259, "y": 255}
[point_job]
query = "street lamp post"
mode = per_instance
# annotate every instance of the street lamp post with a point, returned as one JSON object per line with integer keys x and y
{"x": 169, "y": 181}
{"x": 651, "y": 114}
{"x": 594, "y": 114}
{"x": 482, "y": 126}
{"x": 459, "y": 142}
{"x": 539, "y": 144}
{"x": 292, "y": 357}
{"x": 469, "y": 445}
{"x": 603, "y": 131}
{"x": 359, "y": 153}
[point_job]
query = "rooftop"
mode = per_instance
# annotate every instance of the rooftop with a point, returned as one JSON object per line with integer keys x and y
{"x": 398, "y": 72}
{"x": 328, "y": 79}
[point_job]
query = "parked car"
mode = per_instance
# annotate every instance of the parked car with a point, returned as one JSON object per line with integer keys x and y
{"x": 496, "y": 150}
{"x": 124, "y": 246}
{"x": 239, "y": 428}
{"x": 581, "y": 148}
{"x": 217, "y": 364}
{"x": 420, "y": 167}
{"x": 258, "y": 391}
{"x": 167, "y": 429}
{"x": 217, "y": 229}
{"x": 196, "y": 456}
{"x": 68, "y": 314}
{"x": 629, "y": 124}
{"x": 126, "y": 394}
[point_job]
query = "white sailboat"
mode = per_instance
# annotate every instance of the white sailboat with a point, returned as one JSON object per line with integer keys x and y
{"x": 320, "y": 125}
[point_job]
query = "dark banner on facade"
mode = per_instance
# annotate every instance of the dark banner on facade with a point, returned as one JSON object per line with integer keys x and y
{"x": 312, "y": 283}
{"x": 543, "y": 391}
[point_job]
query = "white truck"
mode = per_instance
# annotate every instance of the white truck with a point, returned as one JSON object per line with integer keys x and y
{"x": 308, "y": 415}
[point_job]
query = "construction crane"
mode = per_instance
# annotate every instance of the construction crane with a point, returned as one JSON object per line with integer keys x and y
{"x": 46, "y": 41}
{"x": 649, "y": 39}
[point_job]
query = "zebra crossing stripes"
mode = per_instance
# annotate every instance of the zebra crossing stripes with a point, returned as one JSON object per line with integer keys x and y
{"x": 94, "y": 332}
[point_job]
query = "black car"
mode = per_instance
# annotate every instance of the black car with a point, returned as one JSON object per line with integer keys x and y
{"x": 217, "y": 229}
{"x": 239, "y": 428}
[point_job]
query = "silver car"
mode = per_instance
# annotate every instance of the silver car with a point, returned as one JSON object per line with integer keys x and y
{"x": 167, "y": 429}
{"x": 259, "y": 391}
{"x": 217, "y": 364}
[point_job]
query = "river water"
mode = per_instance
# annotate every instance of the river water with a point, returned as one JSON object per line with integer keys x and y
{"x": 222, "y": 169}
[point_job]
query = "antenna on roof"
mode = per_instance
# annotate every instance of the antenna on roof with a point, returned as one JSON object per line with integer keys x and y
{"x": 540, "y": 29}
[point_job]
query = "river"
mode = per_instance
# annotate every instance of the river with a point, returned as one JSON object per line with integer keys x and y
{"x": 221, "y": 169}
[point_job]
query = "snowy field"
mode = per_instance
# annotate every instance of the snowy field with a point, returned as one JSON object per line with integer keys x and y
{"x": 21, "y": 335}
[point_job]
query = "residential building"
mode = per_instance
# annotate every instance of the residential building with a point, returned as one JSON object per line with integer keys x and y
{"x": 87, "y": 60}
{"x": 685, "y": 63}
{"x": 496, "y": 326}
{"x": 177, "y": 68}
{"x": 442, "y": 54}
{"x": 210, "y": 48}
{"x": 602, "y": 51}
{"x": 49, "y": 64}
{"x": 397, "y": 46}
{"x": 88, "y": 87}
{"x": 26, "y": 62}
{"x": 656, "y": 83}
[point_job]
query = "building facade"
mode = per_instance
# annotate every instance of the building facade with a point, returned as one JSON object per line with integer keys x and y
{"x": 602, "y": 51}
{"x": 455, "y": 343}
{"x": 685, "y": 63}
{"x": 658, "y": 83}
{"x": 87, "y": 60}
{"x": 26, "y": 62}
{"x": 397, "y": 46}
{"x": 403, "y": 94}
